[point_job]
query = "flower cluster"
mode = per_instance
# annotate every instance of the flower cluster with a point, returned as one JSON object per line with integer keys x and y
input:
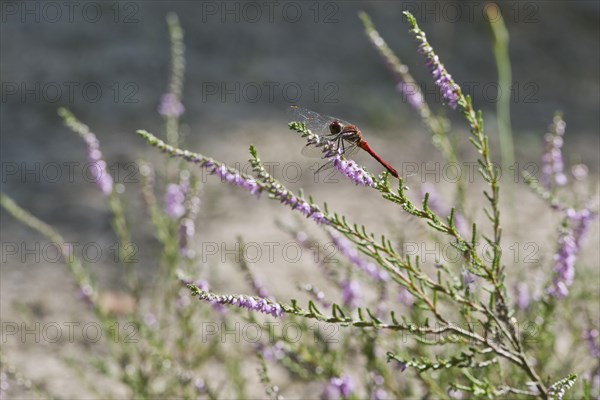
{"x": 232, "y": 176}
{"x": 170, "y": 106}
{"x": 352, "y": 170}
{"x": 569, "y": 244}
{"x": 248, "y": 302}
{"x": 299, "y": 204}
{"x": 351, "y": 253}
{"x": 339, "y": 387}
{"x": 176, "y": 206}
{"x": 443, "y": 79}
{"x": 204, "y": 286}
{"x": 552, "y": 160}
{"x": 449, "y": 90}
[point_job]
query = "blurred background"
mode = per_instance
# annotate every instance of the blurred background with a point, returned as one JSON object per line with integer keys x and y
{"x": 108, "y": 62}
{"x": 246, "y": 63}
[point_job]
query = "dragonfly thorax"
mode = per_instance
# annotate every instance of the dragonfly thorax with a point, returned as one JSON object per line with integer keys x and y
{"x": 351, "y": 137}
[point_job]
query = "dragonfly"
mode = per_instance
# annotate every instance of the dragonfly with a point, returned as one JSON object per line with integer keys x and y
{"x": 345, "y": 136}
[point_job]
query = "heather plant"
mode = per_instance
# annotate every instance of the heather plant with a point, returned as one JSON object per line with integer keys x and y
{"x": 387, "y": 325}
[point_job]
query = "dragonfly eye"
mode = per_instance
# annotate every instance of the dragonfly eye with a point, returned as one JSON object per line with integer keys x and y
{"x": 335, "y": 127}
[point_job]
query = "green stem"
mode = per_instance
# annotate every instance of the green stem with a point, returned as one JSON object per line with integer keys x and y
{"x": 500, "y": 35}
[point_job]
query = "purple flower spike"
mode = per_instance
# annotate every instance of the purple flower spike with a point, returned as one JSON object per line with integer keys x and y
{"x": 351, "y": 253}
{"x": 170, "y": 106}
{"x": 349, "y": 168}
{"x": 174, "y": 199}
{"x": 443, "y": 79}
{"x": 405, "y": 83}
{"x": 233, "y": 177}
{"x": 97, "y": 166}
{"x": 552, "y": 160}
{"x": 411, "y": 93}
{"x": 591, "y": 337}
{"x": 250, "y": 303}
{"x": 319, "y": 218}
{"x": 449, "y": 90}
{"x": 351, "y": 293}
{"x": 522, "y": 294}
{"x": 300, "y": 205}
{"x": 569, "y": 244}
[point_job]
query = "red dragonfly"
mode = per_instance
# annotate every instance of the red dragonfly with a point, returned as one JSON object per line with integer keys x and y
{"x": 344, "y": 135}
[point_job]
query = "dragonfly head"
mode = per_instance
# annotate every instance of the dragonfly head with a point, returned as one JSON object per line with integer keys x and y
{"x": 335, "y": 127}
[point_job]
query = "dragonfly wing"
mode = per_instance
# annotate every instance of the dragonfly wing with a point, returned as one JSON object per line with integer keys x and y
{"x": 349, "y": 149}
{"x": 312, "y": 151}
{"x": 314, "y": 121}
{"x": 324, "y": 167}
